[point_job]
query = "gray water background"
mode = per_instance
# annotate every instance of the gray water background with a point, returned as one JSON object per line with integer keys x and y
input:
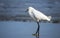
{"x": 18, "y": 7}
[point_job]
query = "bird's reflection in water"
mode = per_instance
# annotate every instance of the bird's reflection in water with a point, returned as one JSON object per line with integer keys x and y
{"x": 36, "y": 35}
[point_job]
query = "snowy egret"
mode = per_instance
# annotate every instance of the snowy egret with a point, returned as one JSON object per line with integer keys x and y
{"x": 37, "y": 16}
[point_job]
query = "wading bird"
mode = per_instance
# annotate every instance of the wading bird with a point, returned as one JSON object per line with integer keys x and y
{"x": 37, "y": 16}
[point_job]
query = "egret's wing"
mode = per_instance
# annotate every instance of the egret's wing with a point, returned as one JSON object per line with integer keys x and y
{"x": 39, "y": 15}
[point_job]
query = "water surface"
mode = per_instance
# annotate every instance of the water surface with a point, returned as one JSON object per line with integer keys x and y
{"x": 15, "y": 29}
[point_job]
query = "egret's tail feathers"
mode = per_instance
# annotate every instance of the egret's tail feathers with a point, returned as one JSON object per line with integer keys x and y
{"x": 49, "y": 17}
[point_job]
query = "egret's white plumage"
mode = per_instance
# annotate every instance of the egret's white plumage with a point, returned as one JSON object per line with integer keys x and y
{"x": 37, "y": 15}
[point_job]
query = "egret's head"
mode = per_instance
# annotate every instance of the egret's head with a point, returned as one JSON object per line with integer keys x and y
{"x": 29, "y": 9}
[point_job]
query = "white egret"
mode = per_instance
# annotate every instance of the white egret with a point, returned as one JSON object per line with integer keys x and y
{"x": 37, "y": 16}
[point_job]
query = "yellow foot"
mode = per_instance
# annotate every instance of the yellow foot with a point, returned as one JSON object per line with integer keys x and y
{"x": 35, "y": 34}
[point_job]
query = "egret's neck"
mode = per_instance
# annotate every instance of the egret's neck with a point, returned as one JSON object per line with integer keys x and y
{"x": 31, "y": 10}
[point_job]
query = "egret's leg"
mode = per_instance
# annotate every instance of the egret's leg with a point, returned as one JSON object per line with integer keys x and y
{"x": 37, "y": 32}
{"x": 38, "y": 28}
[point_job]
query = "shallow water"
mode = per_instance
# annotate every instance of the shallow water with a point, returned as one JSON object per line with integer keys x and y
{"x": 14, "y": 29}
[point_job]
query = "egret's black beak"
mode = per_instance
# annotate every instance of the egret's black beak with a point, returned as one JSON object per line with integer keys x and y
{"x": 26, "y": 10}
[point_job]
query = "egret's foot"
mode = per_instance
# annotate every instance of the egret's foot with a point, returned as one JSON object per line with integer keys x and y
{"x": 36, "y": 34}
